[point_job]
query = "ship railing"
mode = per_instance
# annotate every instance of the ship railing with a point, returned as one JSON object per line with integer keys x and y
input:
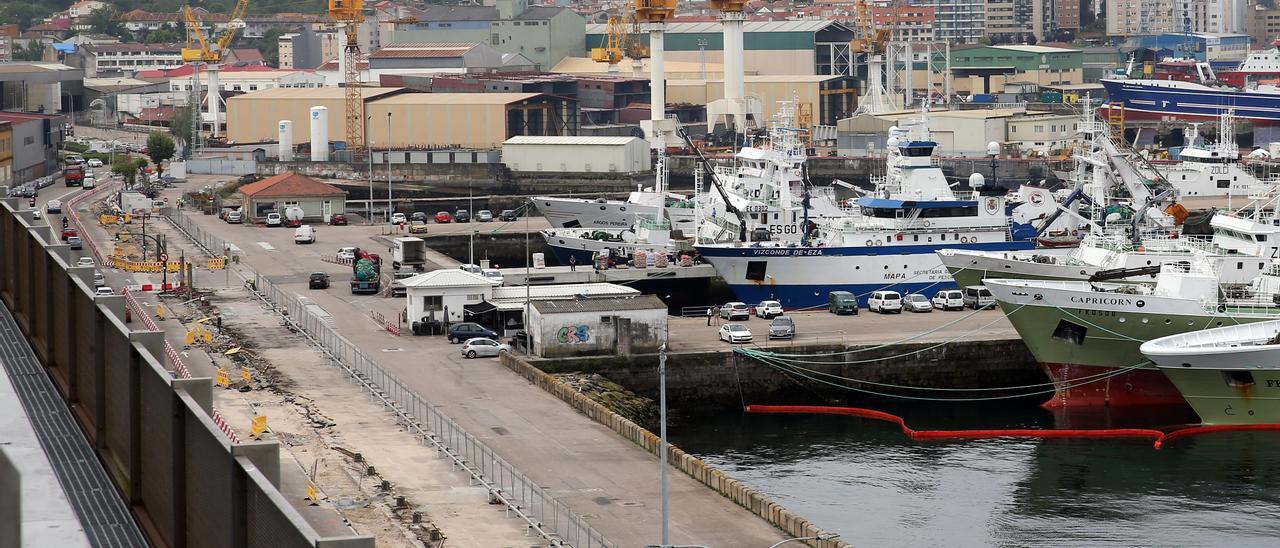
{"x": 1189, "y": 266}
{"x": 653, "y": 223}
{"x": 1256, "y": 306}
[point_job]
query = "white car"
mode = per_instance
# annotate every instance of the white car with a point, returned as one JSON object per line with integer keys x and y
{"x": 916, "y": 302}
{"x": 347, "y": 254}
{"x": 273, "y": 219}
{"x": 398, "y": 219}
{"x": 94, "y": 162}
{"x": 949, "y": 299}
{"x": 35, "y": 214}
{"x": 104, "y": 291}
{"x": 494, "y": 274}
{"x": 734, "y": 333}
{"x": 768, "y": 309}
{"x": 735, "y": 311}
{"x": 305, "y": 234}
{"x": 85, "y": 261}
{"x": 53, "y": 206}
{"x": 98, "y": 279}
{"x": 885, "y": 302}
{"x": 480, "y": 346}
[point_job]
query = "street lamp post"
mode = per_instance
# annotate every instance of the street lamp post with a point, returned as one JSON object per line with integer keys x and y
{"x": 388, "y": 158}
{"x": 662, "y": 434}
{"x": 368, "y": 145}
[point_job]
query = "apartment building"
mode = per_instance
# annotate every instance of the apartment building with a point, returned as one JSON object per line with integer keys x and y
{"x": 909, "y": 22}
{"x": 959, "y": 21}
{"x": 1014, "y": 20}
{"x": 107, "y": 59}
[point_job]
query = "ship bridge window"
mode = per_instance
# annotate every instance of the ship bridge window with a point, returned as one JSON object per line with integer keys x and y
{"x": 1069, "y": 332}
{"x": 916, "y": 152}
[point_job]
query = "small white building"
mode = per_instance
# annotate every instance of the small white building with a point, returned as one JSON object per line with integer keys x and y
{"x": 434, "y": 294}
{"x": 597, "y": 326}
{"x": 576, "y": 154}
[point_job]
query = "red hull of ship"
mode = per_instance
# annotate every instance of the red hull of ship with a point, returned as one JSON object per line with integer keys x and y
{"x": 1136, "y": 387}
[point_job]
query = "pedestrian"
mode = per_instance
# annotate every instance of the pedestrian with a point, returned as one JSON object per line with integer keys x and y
{"x": 710, "y": 310}
{"x": 573, "y": 263}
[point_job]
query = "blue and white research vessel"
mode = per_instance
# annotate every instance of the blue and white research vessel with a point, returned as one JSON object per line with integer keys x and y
{"x": 912, "y": 213}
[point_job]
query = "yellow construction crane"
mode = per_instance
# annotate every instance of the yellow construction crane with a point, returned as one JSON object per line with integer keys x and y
{"x": 871, "y": 39}
{"x": 201, "y": 51}
{"x": 351, "y": 14}
{"x": 622, "y": 38}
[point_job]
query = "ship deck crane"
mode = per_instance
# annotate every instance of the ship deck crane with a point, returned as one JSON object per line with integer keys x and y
{"x": 351, "y": 13}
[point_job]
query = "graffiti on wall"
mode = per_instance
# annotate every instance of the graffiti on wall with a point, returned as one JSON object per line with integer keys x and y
{"x": 574, "y": 334}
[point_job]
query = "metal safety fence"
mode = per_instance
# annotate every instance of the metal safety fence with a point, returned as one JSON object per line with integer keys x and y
{"x": 522, "y": 497}
{"x": 208, "y": 241}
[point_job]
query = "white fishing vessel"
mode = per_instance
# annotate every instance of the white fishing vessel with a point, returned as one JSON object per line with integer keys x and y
{"x": 891, "y": 245}
{"x": 1229, "y": 375}
{"x": 1213, "y": 169}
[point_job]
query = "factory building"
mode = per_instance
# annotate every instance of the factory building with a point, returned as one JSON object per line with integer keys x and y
{"x": 601, "y": 98}
{"x": 983, "y": 69}
{"x": 771, "y": 47}
{"x": 821, "y": 99}
{"x": 253, "y": 117}
{"x": 577, "y": 154}
{"x": 467, "y": 120}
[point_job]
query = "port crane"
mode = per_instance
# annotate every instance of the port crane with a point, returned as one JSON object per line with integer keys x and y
{"x": 201, "y": 52}
{"x": 622, "y": 40}
{"x": 350, "y": 13}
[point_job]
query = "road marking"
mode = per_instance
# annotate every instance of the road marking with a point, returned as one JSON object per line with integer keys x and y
{"x": 267, "y": 246}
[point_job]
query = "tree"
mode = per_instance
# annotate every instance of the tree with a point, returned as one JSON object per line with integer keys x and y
{"x": 159, "y": 148}
{"x": 128, "y": 168}
{"x": 180, "y": 126}
{"x": 107, "y": 21}
{"x": 34, "y": 51}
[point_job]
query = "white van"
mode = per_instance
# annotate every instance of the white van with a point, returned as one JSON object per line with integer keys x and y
{"x": 304, "y": 234}
{"x": 949, "y": 299}
{"x": 885, "y": 301}
{"x": 978, "y": 296}
{"x": 88, "y": 181}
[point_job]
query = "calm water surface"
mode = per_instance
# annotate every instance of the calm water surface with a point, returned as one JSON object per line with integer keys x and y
{"x": 865, "y": 480}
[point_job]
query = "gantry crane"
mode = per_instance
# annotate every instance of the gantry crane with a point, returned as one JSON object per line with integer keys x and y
{"x": 351, "y": 13}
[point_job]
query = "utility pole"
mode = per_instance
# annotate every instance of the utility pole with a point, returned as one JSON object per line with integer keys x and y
{"x": 368, "y": 136}
{"x": 388, "y": 157}
{"x": 662, "y": 433}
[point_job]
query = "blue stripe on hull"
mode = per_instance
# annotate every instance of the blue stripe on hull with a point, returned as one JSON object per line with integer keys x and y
{"x": 768, "y": 252}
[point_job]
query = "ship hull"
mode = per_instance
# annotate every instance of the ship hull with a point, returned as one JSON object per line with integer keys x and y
{"x": 1078, "y": 334}
{"x": 1158, "y": 99}
{"x": 1218, "y": 402}
{"x": 802, "y": 277}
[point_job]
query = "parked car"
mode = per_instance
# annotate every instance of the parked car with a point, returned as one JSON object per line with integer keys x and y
{"x": 305, "y": 234}
{"x": 978, "y": 296}
{"x": 75, "y": 242}
{"x": 103, "y": 291}
{"x": 842, "y": 302}
{"x": 398, "y": 218}
{"x": 98, "y": 279}
{"x": 482, "y": 347}
{"x": 735, "y": 333}
{"x": 462, "y": 216}
{"x": 85, "y": 261}
{"x": 94, "y": 162}
{"x": 418, "y": 227}
{"x": 508, "y": 215}
{"x": 53, "y": 206}
{"x": 459, "y": 332}
{"x": 735, "y": 311}
{"x": 274, "y": 219}
{"x": 916, "y": 302}
{"x": 782, "y": 327}
{"x": 35, "y": 214}
{"x": 949, "y": 299}
{"x": 338, "y": 220}
{"x": 347, "y": 254}
{"x": 235, "y": 217}
{"x": 74, "y": 159}
{"x": 319, "y": 280}
{"x": 443, "y": 217}
{"x": 768, "y": 309}
{"x": 472, "y": 268}
{"x": 885, "y": 302}
{"x": 494, "y": 274}
{"x": 418, "y": 216}
{"x": 484, "y": 216}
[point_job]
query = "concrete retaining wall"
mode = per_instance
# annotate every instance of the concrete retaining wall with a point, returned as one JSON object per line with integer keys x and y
{"x": 737, "y": 491}
{"x": 185, "y": 482}
{"x": 722, "y": 380}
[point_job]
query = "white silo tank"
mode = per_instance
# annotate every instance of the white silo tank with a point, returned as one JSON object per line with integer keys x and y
{"x": 319, "y": 134}
{"x": 286, "y": 140}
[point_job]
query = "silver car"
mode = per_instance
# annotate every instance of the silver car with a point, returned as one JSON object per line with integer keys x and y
{"x": 480, "y": 347}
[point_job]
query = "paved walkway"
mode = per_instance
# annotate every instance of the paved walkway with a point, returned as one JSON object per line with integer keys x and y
{"x": 586, "y": 465}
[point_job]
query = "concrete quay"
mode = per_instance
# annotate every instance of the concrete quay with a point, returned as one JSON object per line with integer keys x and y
{"x": 585, "y": 465}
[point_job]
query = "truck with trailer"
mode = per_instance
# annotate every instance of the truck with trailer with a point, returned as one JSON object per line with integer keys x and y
{"x": 366, "y": 277}
{"x": 409, "y": 252}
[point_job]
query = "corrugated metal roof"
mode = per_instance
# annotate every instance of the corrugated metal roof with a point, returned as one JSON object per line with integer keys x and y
{"x": 311, "y": 93}
{"x": 1035, "y": 49}
{"x": 454, "y": 99}
{"x": 566, "y": 140}
{"x": 448, "y": 277}
{"x": 599, "y": 304}
{"x": 561, "y": 291}
{"x": 750, "y": 26}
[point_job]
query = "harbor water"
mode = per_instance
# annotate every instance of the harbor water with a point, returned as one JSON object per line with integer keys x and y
{"x": 867, "y": 481}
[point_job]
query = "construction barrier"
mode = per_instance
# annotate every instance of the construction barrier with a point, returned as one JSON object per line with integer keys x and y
{"x": 145, "y": 266}
{"x": 217, "y": 264}
{"x": 392, "y": 328}
{"x": 259, "y": 427}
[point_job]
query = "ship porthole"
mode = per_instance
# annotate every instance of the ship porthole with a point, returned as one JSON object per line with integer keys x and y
{"x": 1167, "y": 321}
{"x": 1122, "y": 320}
{"x": 1190, "y": 322}
{"x": 1144, "y": 320}
{"x": 1128, "y": 386}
